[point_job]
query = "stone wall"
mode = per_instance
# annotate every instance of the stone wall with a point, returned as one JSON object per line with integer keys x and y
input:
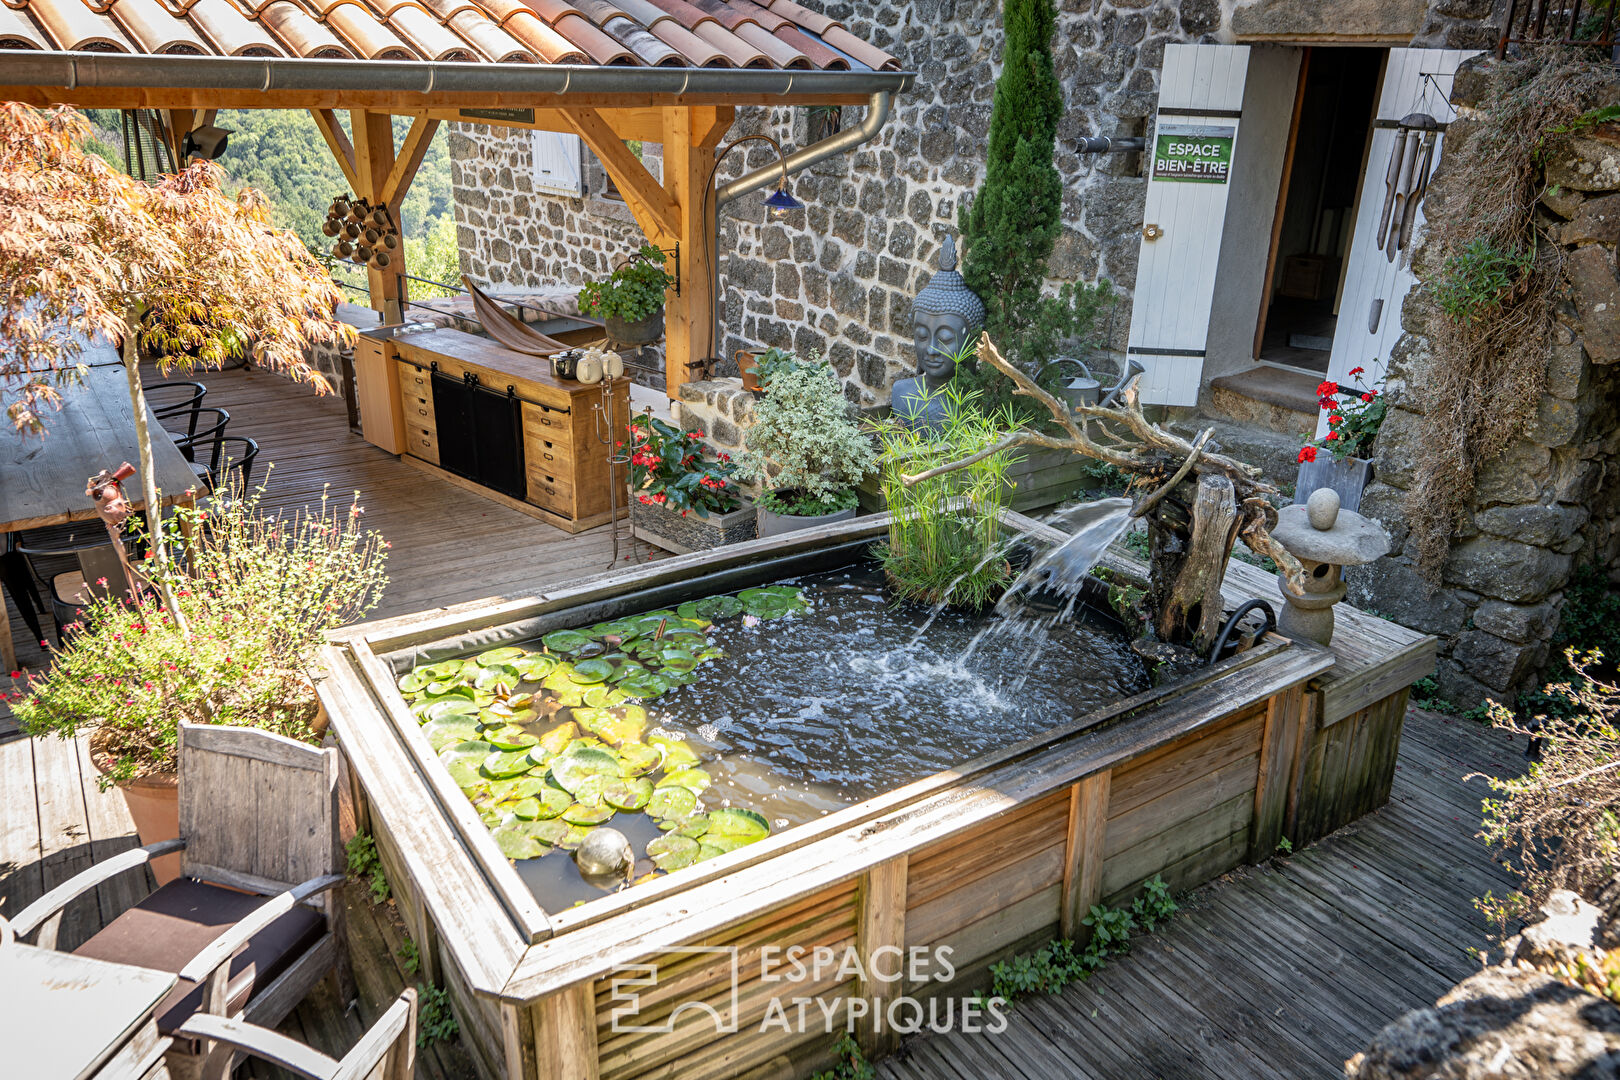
{"x": 1547, "y": 504}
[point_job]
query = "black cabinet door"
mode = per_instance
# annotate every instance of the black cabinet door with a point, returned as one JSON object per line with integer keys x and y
{"x": 453, "y": 417}
{"x": 497, "y": 420}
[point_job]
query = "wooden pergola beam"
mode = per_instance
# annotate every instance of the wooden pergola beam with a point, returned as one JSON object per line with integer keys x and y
{"x": 409, "y": 159}
{"x": 374, "y": 161}
{"x": 656, "y": 210}
{"x": 342, "y": 150}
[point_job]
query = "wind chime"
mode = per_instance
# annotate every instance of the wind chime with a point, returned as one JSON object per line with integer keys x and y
{"x": 1406, "y": 181}
{"x": 365, "y": 234}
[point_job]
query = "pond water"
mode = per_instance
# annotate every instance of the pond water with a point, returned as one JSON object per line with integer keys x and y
{"x": 794, "y": 701}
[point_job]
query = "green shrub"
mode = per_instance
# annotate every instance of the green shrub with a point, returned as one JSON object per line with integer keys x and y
{"x": 805, "y": 443}
{"x": 851, "y": 1064}
{"x": 1053, "y": 967}
{"x": 435, "y": 1022}
{"x": 365, "y": 865}
{"x": 1480, "y": 278}
{"x": 633, "y": 291}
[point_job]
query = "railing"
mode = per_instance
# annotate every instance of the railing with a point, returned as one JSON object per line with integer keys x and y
{"x": 332, "y": 264}
{"x": 1568, "y": 22}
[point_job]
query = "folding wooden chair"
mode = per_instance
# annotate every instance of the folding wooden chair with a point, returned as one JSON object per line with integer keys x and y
{"x": 258, "y": 818}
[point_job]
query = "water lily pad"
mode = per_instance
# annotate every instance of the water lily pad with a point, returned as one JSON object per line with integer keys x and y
{"x": 509, "y": 738}
{"x": 516, "y": 844}
{"x": 676, "y": 662}
{"x": 722, "y": 843}
{"x": 449, "y": 730}
{"x": 521, "y": 788}
{"x": 507, "y": 763}
{"x": 553, "y": 742}
{"x": 413, "y": 682}
{"x": 463, "y": 760}
{"x": 454, "y": 706}
{"x": 737, "y": 823}
{"x": 708, "y": 851}
{"x": 565, "y": 641}
{"x": 571, "y": 839}
{"x": 694, "y": 780}
{"x": 671, "y": 802}
{"x": 526, "y": 809}
{"x": 573, "y": 767}
{"x": 638, "y": 759}
{"x": 553, "y": 801}
{"x": 718, "y": 607}
{"x": 677, "y": 754}
{"x": 591, "y": 671}
{"x": 630, "y": 794}
{"x": 672, "y": 852}
{"x": 503, "y": 655}
{"x": 500, "y": 680}
{"x": 623, "y": 728}
{"x": 446, "y": 669}
{"x": 772, "y": 601}
{"x": 585, "y": 742}
{"x": 580, "y": 814}
{"x": 644, "y": 686}
{"x": 627, "y": 669}
{"x": 536, "y": 666}
{"x": 602, "y": 697}
{"x": 439, "y": 689}
{"x": 694, "y": 826}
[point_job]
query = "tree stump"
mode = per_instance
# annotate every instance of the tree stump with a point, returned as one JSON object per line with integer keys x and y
{"x": 1189, "y": 559}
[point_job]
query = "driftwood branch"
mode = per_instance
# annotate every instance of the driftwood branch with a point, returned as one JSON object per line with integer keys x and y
{"x": 1144, "y": 449}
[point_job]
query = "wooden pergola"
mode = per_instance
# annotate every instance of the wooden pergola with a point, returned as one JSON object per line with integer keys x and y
{"x": 688, "y": 110}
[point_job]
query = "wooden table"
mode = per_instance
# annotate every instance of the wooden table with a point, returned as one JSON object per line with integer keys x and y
{"x": 42, "y": 477}
{"x": 66, "y": 1017}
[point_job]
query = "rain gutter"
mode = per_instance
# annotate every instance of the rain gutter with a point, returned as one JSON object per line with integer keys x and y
{"x": 877, "y": 114}
{"x": 26, "y": 67}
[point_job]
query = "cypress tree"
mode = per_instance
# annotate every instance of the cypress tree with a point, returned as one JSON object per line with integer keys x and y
{"x": 1010, "y": 227}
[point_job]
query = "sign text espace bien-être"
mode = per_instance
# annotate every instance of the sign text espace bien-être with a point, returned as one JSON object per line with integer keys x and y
{"x": 1193, "y": 153}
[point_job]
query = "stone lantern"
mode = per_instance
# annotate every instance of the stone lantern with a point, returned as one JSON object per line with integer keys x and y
{"x": 1325, "y": 540}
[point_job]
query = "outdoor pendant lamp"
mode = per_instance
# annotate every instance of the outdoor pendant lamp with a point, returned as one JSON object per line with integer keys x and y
{"x": 779, "y": 203}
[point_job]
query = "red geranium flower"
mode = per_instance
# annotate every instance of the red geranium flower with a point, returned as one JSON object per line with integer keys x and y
{"x": 1369, "y": 395}
{"x": 1331, "y": 436}
{"x": 1356, "y": 371}
{"x": 1327, "y": 389}
{"x": 1307, "y": 453}
{"x": 1335, "y": 420}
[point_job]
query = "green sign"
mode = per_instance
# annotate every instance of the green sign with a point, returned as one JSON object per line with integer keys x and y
{"x": 1193, "y": 153}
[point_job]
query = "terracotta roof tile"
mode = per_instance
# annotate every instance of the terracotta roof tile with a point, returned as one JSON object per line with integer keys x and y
{"x": 232, "y": 33}
{"x": 741, "y": 53}
{"x": 657, "y": 33}
{"x": 74, "y": 27}
{"x": 151, "y": 26}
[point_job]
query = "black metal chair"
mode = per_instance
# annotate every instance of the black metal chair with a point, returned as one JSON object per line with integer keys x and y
{"x": 71, "y": 562}
{"x": 172, "y": 400}
{"x": 240, "y": 463}
{"x": 210, "y": 442}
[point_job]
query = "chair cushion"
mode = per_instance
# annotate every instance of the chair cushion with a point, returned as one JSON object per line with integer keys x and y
{"x": 175, "y": 923}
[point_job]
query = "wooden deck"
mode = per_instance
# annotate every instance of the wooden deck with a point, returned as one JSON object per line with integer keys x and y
{"x": 448, "y": 545}
{"x": 1278, "y": 972}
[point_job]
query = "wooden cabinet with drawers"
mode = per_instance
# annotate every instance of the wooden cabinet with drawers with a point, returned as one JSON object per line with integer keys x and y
{"x": 560, "y": 429}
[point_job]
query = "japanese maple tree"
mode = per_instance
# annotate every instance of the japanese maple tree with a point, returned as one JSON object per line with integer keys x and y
{"x": 179, "y": 267}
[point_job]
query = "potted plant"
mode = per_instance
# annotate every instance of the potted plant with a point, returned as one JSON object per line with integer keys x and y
{"x": 756, "y": 366}
{"x": 1354, "y": 415}
{"x": 680, "y": 499}
{"x": 263, "y": 593}
{"x": 631, "y": 300}
{"x": 806, "y": 447}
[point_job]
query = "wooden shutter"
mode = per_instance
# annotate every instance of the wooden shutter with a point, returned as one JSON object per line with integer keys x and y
{"x": 1415, "y": 80}
{"x": 558, "y": 165}
{"x": 1200, "y": 97}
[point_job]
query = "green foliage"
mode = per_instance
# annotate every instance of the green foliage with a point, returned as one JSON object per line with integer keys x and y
{"x": 805, "y": 443}
{"x": 410, "y": 959}
{"x": 773, "y": 362}
{"x": 945, "y": 532}
{"x": 633, "y": 291}
{"x": 1589, "y": 119}
{"x": 668, "y": 468}
{"x": 1354, "y": 415}
{"x": 1589, "y": 623}
{"x": 1111, "y": 479}
{"x": 435, "y": 1022}
{"x": 1052, "y": 968}
{"x": 851, "y": 1064}
{"x": 262, "y": 593}
{"x": 366, "y": 865}
{"x": 1286, "y": 846}
{"x": 1479, "y": 279}
{"x": 435, "y": 256}
{"x": 799, "y": 504}
{"x": 1012, "y": 223}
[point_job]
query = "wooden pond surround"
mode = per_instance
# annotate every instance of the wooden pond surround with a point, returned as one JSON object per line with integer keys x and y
{"x": 998, "y": 856}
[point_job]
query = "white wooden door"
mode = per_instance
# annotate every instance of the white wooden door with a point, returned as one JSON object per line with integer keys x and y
{"x": 1200, "y": 105}
{"x": 1375, "y": 286}
{"x": 558, "y": 164}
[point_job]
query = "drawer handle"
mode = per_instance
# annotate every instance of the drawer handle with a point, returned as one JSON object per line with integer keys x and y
{"x": 422, "y": 412}
{"x": 547, "y": 457}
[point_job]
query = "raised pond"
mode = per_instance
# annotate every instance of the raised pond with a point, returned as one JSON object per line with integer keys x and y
{"x": 698, "y": 729}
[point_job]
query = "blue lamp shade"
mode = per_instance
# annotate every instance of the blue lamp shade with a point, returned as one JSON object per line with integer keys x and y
{"x": 781, "y": 202}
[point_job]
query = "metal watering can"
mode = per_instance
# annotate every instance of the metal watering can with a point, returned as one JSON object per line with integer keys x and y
{"x": 1083, "y": 389}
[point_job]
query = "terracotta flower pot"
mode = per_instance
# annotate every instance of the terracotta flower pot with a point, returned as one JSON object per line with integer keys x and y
{"x": 154, "y": 804}
{"x": 748, "y": 368}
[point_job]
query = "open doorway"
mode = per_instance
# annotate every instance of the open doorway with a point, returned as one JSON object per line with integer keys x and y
{"x": 1311, "y": 234}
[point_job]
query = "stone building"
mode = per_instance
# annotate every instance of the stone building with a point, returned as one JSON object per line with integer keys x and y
{"x": 1237, "y": 296}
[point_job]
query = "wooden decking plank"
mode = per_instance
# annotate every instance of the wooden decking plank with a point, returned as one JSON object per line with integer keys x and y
{"x": 1465, "y": 862}
{"x": 1178, "y": 971}
{"x": 1085, "y": 1025}
{"x": 1428, "y": 870}
{"x": 64, "y": 833}
{"x": 21, "y": 880}
{"x": 111, "y": 830}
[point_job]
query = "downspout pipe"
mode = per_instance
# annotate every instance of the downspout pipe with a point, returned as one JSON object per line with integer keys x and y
{"x": 877, "y": 115}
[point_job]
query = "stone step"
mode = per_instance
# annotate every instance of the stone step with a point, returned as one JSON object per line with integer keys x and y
{"x": 1275, "y": 398}
{"x": 1276, "y": 453}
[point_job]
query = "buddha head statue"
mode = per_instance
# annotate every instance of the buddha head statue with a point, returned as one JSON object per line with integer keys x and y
{"x": 945, "y": 315}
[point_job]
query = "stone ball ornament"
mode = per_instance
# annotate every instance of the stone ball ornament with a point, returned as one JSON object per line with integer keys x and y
{"x": 605, "y": 856}
{"x": 1325, "y": 539}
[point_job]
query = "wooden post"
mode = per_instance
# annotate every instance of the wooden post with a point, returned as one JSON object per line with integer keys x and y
{"x": 691, "y": 136}
{"x": 881, "y": 937}
{"x": 564, "y": 1036}
{"x": 374, "y": 160}
{"x": 1309, "y": 710}
{"x": 1278, "y": 745}
{"x": 1083, "y": 861}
